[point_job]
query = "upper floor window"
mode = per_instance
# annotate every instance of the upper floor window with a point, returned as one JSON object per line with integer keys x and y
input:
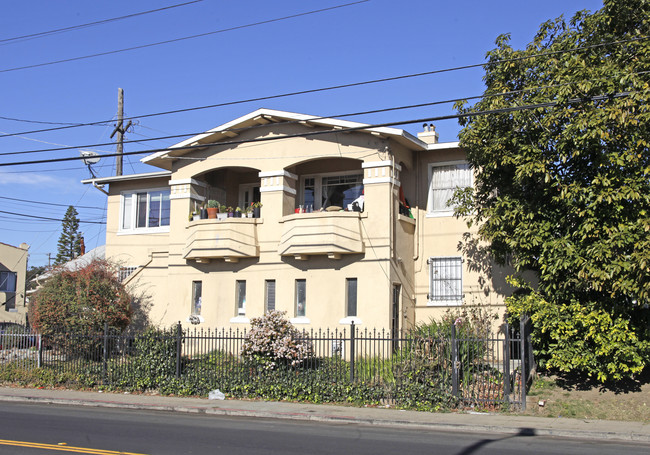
{"x": 8, "y": 281}
{"x": 445, "y": 178}
{"x": 331, "y": 190}
{"x": 145, "y": 210}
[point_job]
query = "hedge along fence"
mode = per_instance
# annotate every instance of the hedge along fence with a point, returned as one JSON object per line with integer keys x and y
{"x": 418, "y": 370}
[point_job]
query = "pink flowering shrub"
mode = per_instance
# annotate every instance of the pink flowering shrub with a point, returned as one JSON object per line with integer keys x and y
{"x": 273, "y": 341}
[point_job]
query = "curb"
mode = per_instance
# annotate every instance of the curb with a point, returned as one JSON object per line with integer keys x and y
{"x": 439, "y": 426}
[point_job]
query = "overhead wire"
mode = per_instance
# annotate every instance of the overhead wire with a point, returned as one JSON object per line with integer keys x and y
{"x": 174, "y": 40}
{"x": 334, "y": 87}
{"x": 348, "y": 129}
{"x": 5, "y": 41}
{"x": 314, "y": 118}
{"x": 37, "y": 217}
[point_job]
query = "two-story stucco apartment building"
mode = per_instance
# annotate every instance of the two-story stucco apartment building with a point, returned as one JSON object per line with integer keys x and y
{"x": 354, "y": 225}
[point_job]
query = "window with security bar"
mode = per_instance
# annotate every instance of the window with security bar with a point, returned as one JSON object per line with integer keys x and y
{"x": 446, "y": 280}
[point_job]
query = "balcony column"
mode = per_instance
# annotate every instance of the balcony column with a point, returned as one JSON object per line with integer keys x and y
{"x": 278, "y": 193}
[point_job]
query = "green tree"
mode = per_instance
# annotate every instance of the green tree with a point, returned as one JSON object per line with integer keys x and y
{"x": 69, "y": 245}
{"x": 81, "y": 302}
{"x": 564, "y": 189}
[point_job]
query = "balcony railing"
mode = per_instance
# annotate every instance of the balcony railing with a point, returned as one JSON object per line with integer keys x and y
{"x": 321, "y": 233}
{"x": 230, "y": 239}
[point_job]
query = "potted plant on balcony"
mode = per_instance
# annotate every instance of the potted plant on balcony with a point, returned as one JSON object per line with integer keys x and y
{"x": 203, "y": 213}
{"x": 257, "y": 209}
{"x": 230, "y": 211}
{"x": 248, "y": 211}
{"x": 238, "y": 212}
{"x": 222, "y": 212}
{"x": 213, "y": 208}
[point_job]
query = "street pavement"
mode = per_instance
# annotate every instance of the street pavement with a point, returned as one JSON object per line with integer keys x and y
{"x": 375, "y": 416}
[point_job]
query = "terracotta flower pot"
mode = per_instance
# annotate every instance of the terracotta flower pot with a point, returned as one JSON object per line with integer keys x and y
{"x": 212, "y": 212}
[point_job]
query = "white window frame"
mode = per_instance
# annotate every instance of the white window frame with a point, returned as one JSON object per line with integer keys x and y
{"x": 447, "y": 211}
{"x": 132, "y": 194}
{"x": 8, "y": 278}
{"x": 318, "y": 184}
{"x": 455, "y": 282}
{"x": 240, "y": 297}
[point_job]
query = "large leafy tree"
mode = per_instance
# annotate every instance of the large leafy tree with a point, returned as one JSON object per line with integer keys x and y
{"x": 69, "y": 245}
{"x": 563, "y": 189}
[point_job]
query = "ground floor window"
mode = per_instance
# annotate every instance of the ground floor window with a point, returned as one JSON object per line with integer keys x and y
{"x": 301, "y": 300}
{"x": 241, "y": 298}
{"x": 351, "y": 296}
{"x": 197, "y": 290}
{"x": 269, "y": 296}
{"x": 446, "y": 279}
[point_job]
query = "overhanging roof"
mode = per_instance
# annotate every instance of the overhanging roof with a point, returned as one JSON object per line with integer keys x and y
{"x": 228, "y": 131}
{"x": 124, "y": 178}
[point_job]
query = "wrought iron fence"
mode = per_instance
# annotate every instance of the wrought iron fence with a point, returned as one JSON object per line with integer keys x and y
{"x": 467, "y": 369}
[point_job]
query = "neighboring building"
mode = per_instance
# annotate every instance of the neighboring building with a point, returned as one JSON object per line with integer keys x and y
{"x": 13, "y": 270}
{"x": 385, "y": 267}
{"x": 74, "y": 264}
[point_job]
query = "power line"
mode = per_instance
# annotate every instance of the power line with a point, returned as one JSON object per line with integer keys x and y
{"x": 334, "y": 87}
{"x": 353, "y": 114}
{"x": 174, "y": 40}
{"x": 350, "y": 129}
{"x": 6, "y": 41}
{"x": 51, "y": 203}
{"x": 36, "y": 217}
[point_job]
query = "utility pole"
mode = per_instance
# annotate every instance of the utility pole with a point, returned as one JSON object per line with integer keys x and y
{"x": 120, "y": 130}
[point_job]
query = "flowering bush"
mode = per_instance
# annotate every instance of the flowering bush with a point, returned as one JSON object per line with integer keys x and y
{"x": 273, "y": 341}
{"x": 80, "y": 302}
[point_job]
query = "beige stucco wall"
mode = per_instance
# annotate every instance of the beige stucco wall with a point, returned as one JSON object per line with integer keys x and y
{"x": 484, "y": 283}
{"x": 393, "y": 252}
{"x": 14, "y": 305}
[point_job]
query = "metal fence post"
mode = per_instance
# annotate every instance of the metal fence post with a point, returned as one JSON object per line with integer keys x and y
{"x": 506, "y": 364}
{"x": 105, "y": 355}
{"x": 179, "y": 341}
{"x": 524, "y": 369}
{"x": 40, "y": 350}
{"x": 454, "y": 362}
{"x": 352, "y": 349}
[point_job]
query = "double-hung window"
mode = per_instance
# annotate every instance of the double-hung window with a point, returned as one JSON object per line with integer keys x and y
{"x": 445, "y": 280}
{"x": 7, "y": 281}
{"x": 444, "y": 179}
{"x": 145, "y": 210}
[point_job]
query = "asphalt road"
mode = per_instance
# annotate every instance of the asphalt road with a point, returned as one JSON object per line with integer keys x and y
{"x": 34, "y": 429}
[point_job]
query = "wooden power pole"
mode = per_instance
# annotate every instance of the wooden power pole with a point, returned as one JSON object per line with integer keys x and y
{"x": 120, "y": 130}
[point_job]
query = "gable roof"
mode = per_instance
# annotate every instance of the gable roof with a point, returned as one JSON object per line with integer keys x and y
{"x": 228, "y": 131}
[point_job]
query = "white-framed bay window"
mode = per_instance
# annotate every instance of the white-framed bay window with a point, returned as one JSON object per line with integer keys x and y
{"x": 145, "y": 211}
{"x": 444, "y": 179}
{"x": 338, "y": 189}
{"x": 445, "y": 280}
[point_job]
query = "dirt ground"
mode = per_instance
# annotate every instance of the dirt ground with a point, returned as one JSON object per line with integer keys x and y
{"x": 573, "y": 397}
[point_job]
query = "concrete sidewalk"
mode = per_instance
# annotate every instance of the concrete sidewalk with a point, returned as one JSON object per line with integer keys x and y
{"x": 467, "y": 422}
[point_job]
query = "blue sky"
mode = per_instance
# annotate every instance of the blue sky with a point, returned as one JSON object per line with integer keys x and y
{"x": 365, "y": 41}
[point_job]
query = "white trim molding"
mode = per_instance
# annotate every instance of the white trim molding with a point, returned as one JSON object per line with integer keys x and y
{"x": 388, "y": 163}
{"x": 281, "y": 173}
{"x": 266, "y": 189}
